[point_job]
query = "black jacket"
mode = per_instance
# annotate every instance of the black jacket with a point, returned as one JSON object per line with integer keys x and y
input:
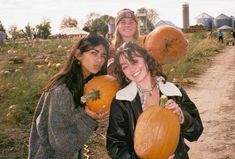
{"x": 123, "y": 118}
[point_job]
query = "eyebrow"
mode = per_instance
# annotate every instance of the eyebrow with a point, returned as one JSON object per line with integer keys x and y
{"x": 123, "y": 63}
{"x": 98, "y": 51}
{"x": 94, "y": 49}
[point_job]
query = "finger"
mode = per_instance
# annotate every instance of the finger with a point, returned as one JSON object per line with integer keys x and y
{"x": 103, "y": 115}
{"x": 101, "y": 109}
{"x": 88, "y": 110}
{"x": 169, "y": 102}
{"x": 102, "y": 120}
{"x": 92, "y": 114}
{"x": 170, "y": 106}
{"x": 176, "y": 111}
{"x": 106, "y": 113}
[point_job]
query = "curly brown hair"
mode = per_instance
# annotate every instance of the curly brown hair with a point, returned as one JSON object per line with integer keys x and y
{"x": 130, "y": 50}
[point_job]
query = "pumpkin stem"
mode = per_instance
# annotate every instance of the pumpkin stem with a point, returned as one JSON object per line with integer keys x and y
{"x": 163, "y": 100}
{"x": 168, "y": 44}
{"x": 93, "y": 95}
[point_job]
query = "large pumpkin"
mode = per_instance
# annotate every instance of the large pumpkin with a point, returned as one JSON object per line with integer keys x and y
{"x": 157, "y": 133}
{"x": 166, "y": 44}
{"x": 100, "y": 91}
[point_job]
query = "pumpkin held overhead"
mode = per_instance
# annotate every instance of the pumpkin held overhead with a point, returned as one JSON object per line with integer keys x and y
{"x": 166, "y": 44}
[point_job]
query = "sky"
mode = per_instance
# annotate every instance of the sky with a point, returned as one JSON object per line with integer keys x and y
{"x": 22, "y": 12}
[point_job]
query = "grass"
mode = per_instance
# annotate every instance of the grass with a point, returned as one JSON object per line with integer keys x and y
{"x": 200, "y": 50}
{"x": 20, "y": 88}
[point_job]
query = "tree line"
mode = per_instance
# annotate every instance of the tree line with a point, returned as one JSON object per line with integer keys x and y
{"x": 95, "y": 22}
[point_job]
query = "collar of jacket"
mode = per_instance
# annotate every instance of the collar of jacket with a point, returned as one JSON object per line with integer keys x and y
{"x": 130, "y": 91}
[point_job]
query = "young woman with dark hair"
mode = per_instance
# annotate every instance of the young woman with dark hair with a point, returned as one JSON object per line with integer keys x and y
{"x": 142, "y": 84}
{"x": 61, "y": 123}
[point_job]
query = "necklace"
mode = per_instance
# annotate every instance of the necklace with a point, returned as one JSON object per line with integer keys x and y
{"x": 148, "y": 91}
{"x": 143, "y": 95}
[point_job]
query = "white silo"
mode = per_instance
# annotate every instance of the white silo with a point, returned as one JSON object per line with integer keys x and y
{"x": 185, "y": 8}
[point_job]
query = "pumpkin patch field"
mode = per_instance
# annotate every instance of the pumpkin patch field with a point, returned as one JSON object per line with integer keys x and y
{"x": 25, "y": 67}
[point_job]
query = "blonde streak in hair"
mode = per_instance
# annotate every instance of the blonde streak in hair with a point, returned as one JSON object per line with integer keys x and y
{"x": 137, "y": 33}
{"x": 118, "y": 39}
{"x": 114, "y": 41}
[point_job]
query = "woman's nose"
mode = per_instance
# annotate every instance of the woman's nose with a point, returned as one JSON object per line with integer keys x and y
{"x": 132, "y": 67}
{"x": 99, "y": 59}
{"x": 127, "y": 24}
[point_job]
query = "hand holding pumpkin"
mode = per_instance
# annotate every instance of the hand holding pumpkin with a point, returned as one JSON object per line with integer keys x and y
{"x": 158, "y": 129}
{"x": 99, "y": 92}
{"x": 172, "y": 105}
{"x": 99, "y": 116}
{"x": 171, "y": 157}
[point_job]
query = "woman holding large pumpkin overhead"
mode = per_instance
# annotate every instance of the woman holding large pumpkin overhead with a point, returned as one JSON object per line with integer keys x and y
{"x": 61, "y": 123}
{"x": 142, "y": 84}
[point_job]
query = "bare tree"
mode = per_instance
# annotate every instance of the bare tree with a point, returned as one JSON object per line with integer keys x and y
{"x": 93, "y": 15}
{"x": 13, "y": 31}
{"x": 148, "y": 19}
{"x": 152, "y": 15}
{"x": 68, "y": 22}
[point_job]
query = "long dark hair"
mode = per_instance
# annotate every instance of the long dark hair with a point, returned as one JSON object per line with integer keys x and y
{"x": 71, "y": 73}
{"x": 130, "y": 50}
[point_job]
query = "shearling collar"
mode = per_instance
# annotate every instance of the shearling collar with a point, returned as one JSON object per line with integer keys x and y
{"x": 130, "y": 91}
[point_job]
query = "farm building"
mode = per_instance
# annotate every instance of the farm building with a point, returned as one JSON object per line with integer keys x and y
{"x": 73, "y": 31}
{"x": 166, "y": 22}
{"x": 221, "y": 20}
{"x": 215, "y": 23}
{"x": 206, "y": 20}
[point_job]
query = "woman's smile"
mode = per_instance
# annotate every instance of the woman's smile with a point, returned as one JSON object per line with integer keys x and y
{"x": 136, "y": 74}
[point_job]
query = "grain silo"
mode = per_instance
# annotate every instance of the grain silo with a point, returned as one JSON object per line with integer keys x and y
{"x": 111, "y": 26}
{"x": 223, "y": 19}
{"x": 233, "y": 22}
{"x": 206, "y": 20}
{"x": 185, "y": 8}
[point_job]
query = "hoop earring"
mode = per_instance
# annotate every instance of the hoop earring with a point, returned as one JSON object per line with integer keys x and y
{"x": 127, "y": 80}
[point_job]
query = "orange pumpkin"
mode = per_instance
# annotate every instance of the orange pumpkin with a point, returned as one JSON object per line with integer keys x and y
{"x": 166, "y": 44}
{"x": 100, "y": 91}
{"x": 157, "y": 133}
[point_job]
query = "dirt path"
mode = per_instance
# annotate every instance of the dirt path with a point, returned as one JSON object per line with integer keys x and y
{"x": 214, "y": 95}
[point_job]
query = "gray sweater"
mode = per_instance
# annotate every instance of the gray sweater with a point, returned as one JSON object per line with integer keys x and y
{"x": 58, "y": 130}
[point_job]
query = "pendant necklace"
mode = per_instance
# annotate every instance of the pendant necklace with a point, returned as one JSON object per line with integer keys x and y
{"x": 148, "y": 91}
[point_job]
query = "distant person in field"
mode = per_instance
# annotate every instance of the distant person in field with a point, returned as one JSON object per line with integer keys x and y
{"x": 61, "y": 123}
{"x": 220, "y": 36}
{"x": 126, "y": 29}
{"x": 233, "y": 34}
{"x": 3, "y": 37}
{"x": 142, "y": 83}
